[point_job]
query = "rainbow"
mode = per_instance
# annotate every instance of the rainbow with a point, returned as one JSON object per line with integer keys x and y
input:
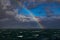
{"x": 30, "y": 13}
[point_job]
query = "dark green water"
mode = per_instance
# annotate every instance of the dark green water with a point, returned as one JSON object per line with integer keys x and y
{"x": 18, "y": 34}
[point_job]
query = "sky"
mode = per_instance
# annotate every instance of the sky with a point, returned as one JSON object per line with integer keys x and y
{"x": 15, "y": 21}
{"x": 40, "y": 11}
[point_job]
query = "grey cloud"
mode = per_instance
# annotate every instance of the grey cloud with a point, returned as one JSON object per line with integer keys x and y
{"x": 24, "y": 18}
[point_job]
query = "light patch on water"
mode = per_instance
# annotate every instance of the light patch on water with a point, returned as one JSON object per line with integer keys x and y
{"x": 35, "y": 31}
{"x": 21, "y": 32}
{"x": 20, "y": 36}
{"x": 36, "y": 35}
